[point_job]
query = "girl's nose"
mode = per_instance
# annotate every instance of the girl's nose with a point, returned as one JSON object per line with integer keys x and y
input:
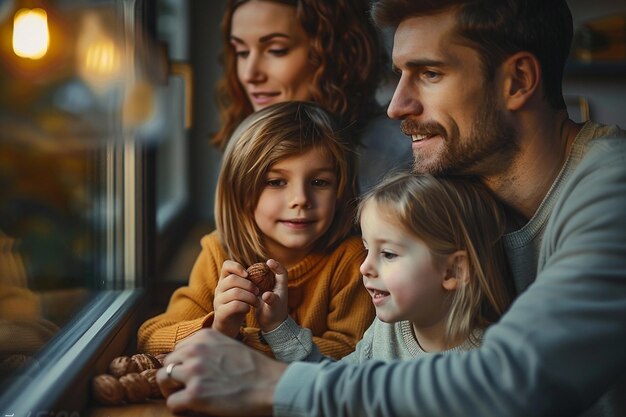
{"x": 367, "y": 268}
{"x": 300, "y": 198}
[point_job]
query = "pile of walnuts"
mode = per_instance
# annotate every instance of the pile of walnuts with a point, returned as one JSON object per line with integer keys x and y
{"x": 131, "y": 379}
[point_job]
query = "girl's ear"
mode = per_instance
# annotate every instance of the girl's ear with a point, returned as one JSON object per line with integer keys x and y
{"x": 457, "y": 270}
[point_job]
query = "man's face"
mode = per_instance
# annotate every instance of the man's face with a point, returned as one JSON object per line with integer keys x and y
{"x": 455, "y": 117}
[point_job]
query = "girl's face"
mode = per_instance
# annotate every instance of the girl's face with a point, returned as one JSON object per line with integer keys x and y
{"x": 297, "y": 205}
{"x": 272, "y": 53}
{"x": 400, "y": 273}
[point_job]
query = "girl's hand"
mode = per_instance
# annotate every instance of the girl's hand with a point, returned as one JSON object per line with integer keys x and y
{"x": 234, "y": 295}
{"x": 272, "y": 309}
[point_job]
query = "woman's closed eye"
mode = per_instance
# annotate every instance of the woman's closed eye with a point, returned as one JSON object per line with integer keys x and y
{"x": 242, "y": 54}
{"x": 279, "y": 51}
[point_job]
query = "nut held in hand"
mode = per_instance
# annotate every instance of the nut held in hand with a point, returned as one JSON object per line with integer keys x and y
{"x": 262, "y": 276}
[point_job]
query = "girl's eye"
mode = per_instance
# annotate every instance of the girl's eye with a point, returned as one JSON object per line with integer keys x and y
{"x": 388, "y": 255}
{"x": 279, "y": 51}
{"x": 275, "y": 182}
{"x": 321, "y": 183}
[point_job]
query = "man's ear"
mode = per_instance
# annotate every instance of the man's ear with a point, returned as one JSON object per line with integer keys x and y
{"x": 521, "y": 73}
{"x": 457, "y": 270}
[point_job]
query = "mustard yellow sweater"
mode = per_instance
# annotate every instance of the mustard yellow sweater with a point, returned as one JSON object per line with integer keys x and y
{"x": 326, "y": 295}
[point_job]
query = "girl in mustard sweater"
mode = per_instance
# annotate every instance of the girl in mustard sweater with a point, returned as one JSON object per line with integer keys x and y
{"x": 285, "y": 192}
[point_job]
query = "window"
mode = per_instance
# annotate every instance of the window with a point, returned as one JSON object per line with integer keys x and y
{"x": 77, "y": 117}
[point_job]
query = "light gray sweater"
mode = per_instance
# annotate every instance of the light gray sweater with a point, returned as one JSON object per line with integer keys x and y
{"x": 384, "y": 341}
{"x": 561, "y": 345}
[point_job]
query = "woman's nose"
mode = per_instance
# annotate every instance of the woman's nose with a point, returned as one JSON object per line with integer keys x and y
{"x": 253, "y": 69}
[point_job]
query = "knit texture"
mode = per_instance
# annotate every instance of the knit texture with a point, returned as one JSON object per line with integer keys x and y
{"x": 325, "y": 290}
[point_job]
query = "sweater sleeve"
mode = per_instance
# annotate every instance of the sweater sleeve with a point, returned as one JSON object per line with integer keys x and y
{"x": 190, "y": 307}
{"x": 555, "y": 352}
{"x": 351, "y": 310}
{"x": 290, "y": 342}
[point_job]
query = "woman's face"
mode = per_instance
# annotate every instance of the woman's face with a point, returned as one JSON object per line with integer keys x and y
{"x": 272, "y": 52}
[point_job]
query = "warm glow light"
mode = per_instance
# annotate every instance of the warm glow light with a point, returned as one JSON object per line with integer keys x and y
{"x": 31, "y": 37}
{"x": 102, "y": 58}
{"x": 99, "y": 57}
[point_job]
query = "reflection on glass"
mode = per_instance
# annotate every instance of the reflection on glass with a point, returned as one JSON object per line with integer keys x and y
{"x": 99, "y": 59}
{"x": 30, "y": 33}
{"x": 72, "y": 100}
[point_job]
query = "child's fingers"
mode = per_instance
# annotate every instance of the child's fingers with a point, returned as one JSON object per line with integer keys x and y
{"x": 235, "y": 281}
{"x": 237, "y": 294}
{"x": 231, "y": 267}
{"x": 281, "y": 276}
{"x": 235, "y": 308}
{"x": 269, "y": 298}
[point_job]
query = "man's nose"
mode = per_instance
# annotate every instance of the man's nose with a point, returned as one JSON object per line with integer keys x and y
{"x": 405, "y": 101}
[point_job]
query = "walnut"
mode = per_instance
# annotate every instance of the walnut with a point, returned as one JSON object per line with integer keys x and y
{"x": 107, "y": 390}
{"x": 122, "y": 365}
{"x": 136, "y": 387}
{"x": 150, "y": 376}
{"x": 143, "y": 361}
{"x": 262, "y": 276}
{"x": 161, "y": 357}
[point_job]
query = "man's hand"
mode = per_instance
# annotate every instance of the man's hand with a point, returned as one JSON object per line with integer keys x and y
{"x": 219, "y": 376}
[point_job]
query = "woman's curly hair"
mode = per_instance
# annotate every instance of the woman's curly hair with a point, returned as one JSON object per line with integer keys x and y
{"x": 345, "y": 50}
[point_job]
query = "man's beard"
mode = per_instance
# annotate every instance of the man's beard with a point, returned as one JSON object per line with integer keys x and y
{"x": 489, "y": 147}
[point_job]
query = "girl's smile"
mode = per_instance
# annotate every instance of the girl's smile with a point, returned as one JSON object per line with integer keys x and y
{"x": 297, "y": 205}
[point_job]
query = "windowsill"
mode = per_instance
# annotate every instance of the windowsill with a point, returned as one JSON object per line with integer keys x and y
{"x": 58, "y": 384}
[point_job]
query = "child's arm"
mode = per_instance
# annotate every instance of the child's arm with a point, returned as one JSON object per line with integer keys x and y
{"x": 234, "y": 296}
{"x": 190, "y": 307}
{"x": 290, "y": 342}
{"x": 349, "y": 306}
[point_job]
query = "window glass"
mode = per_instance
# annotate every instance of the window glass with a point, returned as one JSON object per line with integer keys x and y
{"x": 77, "y": 107}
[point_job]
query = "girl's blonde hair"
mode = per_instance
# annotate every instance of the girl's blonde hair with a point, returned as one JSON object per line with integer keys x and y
{"x": 451, "y": 214}
{"x": 266, "y": 137}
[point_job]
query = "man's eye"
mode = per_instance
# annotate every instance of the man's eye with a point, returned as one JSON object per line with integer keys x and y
{"x": 431, "y": 75}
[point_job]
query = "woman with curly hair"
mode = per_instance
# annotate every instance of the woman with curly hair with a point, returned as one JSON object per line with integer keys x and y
{"x": 316, "y": 50}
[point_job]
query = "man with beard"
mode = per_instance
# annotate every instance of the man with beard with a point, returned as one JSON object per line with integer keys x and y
{"x": 479, "y": 94}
